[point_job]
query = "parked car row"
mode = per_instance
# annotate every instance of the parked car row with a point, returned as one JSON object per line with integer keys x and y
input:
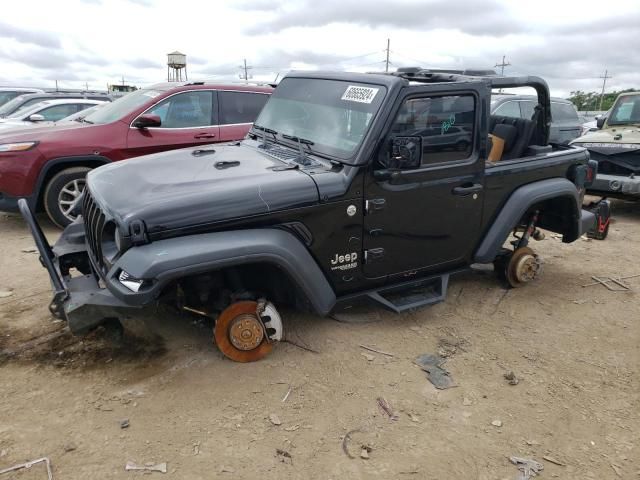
{"x": 48, "y": 164}
{"x": 26, "y": 100}
{"x": 48, "y": 111}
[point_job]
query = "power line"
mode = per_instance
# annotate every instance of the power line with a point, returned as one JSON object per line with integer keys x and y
{"x": 386, "y": 67}
{"x": 421, "y": 62}
{"x": 604, "y": 82}
{"x": 502, "y": 65}
{"x": 245, "y": 68}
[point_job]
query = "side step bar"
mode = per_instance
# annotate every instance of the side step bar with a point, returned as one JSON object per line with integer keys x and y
{"x": 400, "y": 297}
{"x": 414, "y": 295}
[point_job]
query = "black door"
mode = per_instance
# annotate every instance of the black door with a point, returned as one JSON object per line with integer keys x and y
{"x": 425, "y": 213}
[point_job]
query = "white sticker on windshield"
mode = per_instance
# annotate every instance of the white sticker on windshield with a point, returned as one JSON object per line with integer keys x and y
{"x": 359, "y": 94}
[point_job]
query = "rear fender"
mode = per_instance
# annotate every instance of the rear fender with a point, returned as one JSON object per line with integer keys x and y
{"x": 558, "y": 190}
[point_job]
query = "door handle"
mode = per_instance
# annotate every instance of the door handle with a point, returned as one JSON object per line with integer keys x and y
{"x": 467, "y": 189}
{"x": 204, "y": 135}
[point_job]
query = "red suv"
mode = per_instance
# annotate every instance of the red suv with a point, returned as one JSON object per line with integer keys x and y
{"x": 47, "y": 165}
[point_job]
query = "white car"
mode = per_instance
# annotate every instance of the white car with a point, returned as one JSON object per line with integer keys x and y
{"x": 46, "y": 112}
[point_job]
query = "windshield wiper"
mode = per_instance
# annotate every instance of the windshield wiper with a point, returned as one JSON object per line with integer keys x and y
{"x": 301, "y": 141}
{"x": 298, "y": 139}
{"x": 264, "y": 137}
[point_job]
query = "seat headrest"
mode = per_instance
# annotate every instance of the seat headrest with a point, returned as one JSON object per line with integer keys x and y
{"x": 507, "y": 133}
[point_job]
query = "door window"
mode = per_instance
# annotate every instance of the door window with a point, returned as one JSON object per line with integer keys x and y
{"x": 508, "y": 109}
{"x": 527, "y": 107}
{"x": 240, "y": 107}
{"x": 185, "y": 110}
{"x": 445, "y": 124}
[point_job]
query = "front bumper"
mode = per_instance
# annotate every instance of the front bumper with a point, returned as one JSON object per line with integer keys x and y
{"x": 80, "y": 300}
{"x": 10, "y": 204}
{"x": 616, "y": 184}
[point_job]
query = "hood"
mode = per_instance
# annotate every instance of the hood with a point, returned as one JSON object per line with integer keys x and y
{"x": 194, "y": 186}
{"x": 619, "y": 146}
{"x": 9, "y": 124}
{"x": 41, "y": 131}
{"x": 611, "y": 140}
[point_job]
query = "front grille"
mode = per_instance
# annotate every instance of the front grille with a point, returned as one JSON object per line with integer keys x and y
{"x": 623, "y": 163}
{"x": 93, "y": 226}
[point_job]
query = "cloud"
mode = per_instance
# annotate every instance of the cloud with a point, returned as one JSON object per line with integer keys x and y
{"x": 50, "y": 59}
{"x": 192, "y": 59}
{"x": 478, "y": 17}
{"x": 143, "y": 63}
{"x": 143, "y": 3}
{"x": 42, "y": 39}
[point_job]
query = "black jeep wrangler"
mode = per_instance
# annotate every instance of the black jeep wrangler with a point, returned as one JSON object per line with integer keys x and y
{"x": 348, "y": 187}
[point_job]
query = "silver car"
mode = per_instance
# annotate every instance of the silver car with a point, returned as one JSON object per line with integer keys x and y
{"x": 565, "y": 123}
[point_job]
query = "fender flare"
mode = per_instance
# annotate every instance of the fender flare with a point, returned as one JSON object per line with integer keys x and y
{"x": 71, "y": 161}
{"x": 516, "y": 206}
{"x": 166, "y": 260}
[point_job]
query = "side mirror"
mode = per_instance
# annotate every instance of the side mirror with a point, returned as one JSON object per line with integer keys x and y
{"x": 36, "y": 117}
{"x": 147, "y": 121}
{"x": 600, "y": 122}
{"x": 406, "y": 153}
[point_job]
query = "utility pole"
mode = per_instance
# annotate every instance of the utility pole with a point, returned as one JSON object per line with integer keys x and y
{"x": 245, "y": 68}
{"x": 86, "y": 86}
{"x": 386, "y": 68}
{"x": 604, "y": 82}
{"x": 502, "y": 65}
{"x": 56, "y": 85}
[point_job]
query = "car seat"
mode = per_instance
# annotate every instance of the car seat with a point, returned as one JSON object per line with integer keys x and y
{"x": 523, "y": 130}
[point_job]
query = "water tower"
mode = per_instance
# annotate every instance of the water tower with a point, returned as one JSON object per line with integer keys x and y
{"x": 176, "y": 61}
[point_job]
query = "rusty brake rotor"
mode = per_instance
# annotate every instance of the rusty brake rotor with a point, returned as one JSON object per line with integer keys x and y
{"x": 240, "y": 334}
{"x": 524, "y": 266}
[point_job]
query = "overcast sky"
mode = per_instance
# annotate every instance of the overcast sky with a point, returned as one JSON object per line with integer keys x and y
{"x": 569, "y": 43}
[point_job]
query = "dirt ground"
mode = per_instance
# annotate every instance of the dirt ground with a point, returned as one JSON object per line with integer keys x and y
{"x": 575, "y": 351}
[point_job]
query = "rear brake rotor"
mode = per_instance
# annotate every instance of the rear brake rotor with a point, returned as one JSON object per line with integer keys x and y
{"x": 240, "y": 334}
{"x": 524, "y": 267}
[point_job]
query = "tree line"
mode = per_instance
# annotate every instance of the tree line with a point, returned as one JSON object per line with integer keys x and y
{"x": 585, "y": 101}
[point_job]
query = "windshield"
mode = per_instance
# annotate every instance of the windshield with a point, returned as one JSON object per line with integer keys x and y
{"x": 122, "y": 106}
{"x": 11, "y": 105}
{"x": 329, "y": 115}
{"x": 6, "y": 96}
{"x": 625, "y": 111}
{"x": 82, "y": 113}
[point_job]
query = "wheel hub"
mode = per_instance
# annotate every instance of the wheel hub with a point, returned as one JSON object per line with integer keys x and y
{"x": 240, "y": 333}
{"x": 524, "y": 267}
{"x": 68, "y": 197}
{"x": 527, "y": 268}
{"x": 246, "y": 332}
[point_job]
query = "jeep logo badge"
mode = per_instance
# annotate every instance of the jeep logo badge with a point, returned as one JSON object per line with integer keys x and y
{"x": 351, "y": 210}
{"x": 344, "y": 262}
